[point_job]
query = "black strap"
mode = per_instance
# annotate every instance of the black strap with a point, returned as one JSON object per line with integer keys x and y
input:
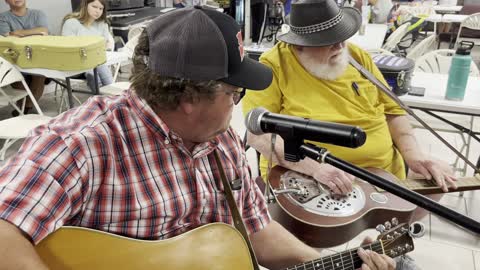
{"x": 237, "y": 218}
{"x": 385, "y": 89}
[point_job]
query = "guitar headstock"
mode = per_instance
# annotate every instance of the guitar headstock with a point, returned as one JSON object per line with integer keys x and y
{"x": 397, "y": 240}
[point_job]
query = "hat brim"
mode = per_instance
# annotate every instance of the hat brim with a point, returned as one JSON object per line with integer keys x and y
{"x": 342, "y": 31}
{"x": 251, "y": 74}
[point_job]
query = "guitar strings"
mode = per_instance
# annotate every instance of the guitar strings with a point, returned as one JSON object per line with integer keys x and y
{"x": 336, "y": 260}
{"x": 333, "y": 261}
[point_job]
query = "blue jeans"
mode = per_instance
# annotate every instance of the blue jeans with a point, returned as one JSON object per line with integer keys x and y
{"x": 104, "y": 77}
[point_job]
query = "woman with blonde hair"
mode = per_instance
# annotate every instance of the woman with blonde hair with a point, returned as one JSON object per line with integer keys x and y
{"x": 91, "y": 20}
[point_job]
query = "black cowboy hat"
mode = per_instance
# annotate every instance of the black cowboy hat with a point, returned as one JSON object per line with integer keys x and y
{"x": 320, "y": 23}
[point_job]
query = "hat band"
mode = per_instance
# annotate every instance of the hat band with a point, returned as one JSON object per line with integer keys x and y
{"x": 318, "y": 27}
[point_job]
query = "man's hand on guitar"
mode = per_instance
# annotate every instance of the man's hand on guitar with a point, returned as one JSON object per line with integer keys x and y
{"x": 430, "y": 168}
{"x": 338, "y": 181}
{"x": 374, "y": 261}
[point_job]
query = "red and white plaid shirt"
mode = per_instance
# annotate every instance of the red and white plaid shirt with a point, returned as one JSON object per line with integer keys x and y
{"x": 113, "y": 165}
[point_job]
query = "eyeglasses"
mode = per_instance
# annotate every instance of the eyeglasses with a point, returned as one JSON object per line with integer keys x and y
{"x": 237, "y": 94}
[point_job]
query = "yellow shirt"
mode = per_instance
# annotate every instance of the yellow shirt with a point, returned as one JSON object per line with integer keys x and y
{"x": 295, "y": 92}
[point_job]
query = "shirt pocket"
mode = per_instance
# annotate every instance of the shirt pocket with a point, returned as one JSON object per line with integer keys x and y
{"x": 368, "y": 97}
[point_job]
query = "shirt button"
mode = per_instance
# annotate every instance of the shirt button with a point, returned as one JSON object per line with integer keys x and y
{"x": 167, "y": 141}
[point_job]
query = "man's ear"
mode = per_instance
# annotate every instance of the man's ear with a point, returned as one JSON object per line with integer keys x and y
{"x": 187, "y": 106}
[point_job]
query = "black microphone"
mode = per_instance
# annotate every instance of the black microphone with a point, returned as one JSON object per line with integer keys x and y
{"x": 260, "y": 121}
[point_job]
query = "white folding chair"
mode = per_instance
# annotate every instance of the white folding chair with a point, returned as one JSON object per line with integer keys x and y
{"x": 439, "y": 61}
{"x": 15, "y": 128}
{"x": 426, "y": 45}
{"x": 394, "y": 39}
{"x": 117, "y": 87}
{"x": 129, "y": 47}
{"x": 471, "y": 22}
{"x": 422, "y": 11}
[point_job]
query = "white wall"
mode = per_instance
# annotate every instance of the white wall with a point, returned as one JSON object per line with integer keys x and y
{"x": 55, "y": 10}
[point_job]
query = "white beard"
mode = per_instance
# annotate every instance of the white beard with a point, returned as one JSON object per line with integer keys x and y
{"x": 328, "y": 72}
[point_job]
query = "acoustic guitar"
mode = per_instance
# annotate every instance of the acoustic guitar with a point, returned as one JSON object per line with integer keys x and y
{"x": 212, "y": 246}
{"x": 320, "y": 219}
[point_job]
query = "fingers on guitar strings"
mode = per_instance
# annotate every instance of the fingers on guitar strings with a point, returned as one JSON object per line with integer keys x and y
{"x": 334, "y": 187}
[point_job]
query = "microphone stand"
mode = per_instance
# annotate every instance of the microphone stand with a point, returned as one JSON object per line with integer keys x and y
{"x": 322, "y": 155}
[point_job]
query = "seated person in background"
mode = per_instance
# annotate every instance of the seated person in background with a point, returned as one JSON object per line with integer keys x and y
{"x": 380, "y": 10}
{"x": 21, "y": 21}
{"x": 142, "y": 164}
{"x": 313, "y": 79}
{"x": 91, "y": 20}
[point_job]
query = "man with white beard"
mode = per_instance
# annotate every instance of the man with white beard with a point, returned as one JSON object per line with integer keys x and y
{"x": 313, "y": 79}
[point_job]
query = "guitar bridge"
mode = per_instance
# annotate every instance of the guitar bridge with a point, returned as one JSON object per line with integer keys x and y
{"x": 294, "y": 181}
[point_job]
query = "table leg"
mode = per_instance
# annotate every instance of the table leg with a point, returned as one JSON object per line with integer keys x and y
{"x": 468, "y": 131}
{"x": 467, "y": 150}
{"x": 95, "y": 76}
{"x": 69, "y": 93}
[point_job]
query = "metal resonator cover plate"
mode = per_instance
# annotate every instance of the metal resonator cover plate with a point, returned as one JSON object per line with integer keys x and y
{"x": 316, "y": 198}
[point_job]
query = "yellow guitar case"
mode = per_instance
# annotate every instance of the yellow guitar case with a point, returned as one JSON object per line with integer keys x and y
{"x": 54, "y": 52}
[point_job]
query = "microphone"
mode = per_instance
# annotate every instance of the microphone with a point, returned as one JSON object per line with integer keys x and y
{"x": 260, "y": 121}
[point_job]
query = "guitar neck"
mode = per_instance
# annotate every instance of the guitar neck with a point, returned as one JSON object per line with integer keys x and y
{"x": 425, "y": 187}
{"x": 347, "y": 260}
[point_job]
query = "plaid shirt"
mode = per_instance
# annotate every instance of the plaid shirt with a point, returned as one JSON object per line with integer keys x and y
{"x": 113, "y": 165}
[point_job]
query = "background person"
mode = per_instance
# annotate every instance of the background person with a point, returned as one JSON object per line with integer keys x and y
{"x": 91, "y": 20}
{"x": 21, "y": 21}
{"x": 313, "y": 79}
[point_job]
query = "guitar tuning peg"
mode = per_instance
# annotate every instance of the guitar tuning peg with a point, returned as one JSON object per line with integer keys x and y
{"x": 394, "y": 221}
{"x": 388, "y": 225}
{"x": 380, "y": 228}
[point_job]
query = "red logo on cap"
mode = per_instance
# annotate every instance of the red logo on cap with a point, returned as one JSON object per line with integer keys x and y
{"x": 240, "y": 45}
